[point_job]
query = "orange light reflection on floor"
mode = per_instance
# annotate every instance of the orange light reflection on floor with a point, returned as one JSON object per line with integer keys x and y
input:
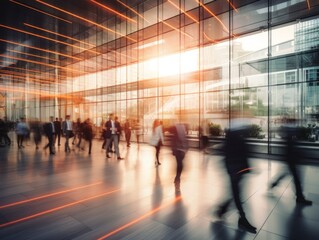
{"x": 48, "y": 195}
{"x": 139, "y": 218}
{"x": 56, "y": 209}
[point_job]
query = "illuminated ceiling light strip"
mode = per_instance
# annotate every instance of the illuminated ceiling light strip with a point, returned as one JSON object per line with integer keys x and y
{"x": 48, "y": 195}
{"x": 10, "y": 73}
{"x": 29, "y": 78}
{"x": 34, "y": 92}
{"x": 210, "y": 12}
{"x": 6, "y": 62}
{"x": 113, "y": 11}
{"x": 123, "y": 54}
{"x": 47, "y": 38}
{"x": 187, "y": 14}
{"x": 45, "y": 30}
{"x": 132, "y": 10}
{"x": 151, "y": 44}
{"x": 155, "y": 210}
{"x": 29, "y": 70}
{"x": 86, "y": 20}
{"x": 41, "y": 49}
{"x": 232, "y": 5}
{"x": 176, "y": 29}
{"x": 40, "y": 63}
{"x": 56, "y": 209}
{"x": 33, "y": 55}
{"x": 40, "y": 11}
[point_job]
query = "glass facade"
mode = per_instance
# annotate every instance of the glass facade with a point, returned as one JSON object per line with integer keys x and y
{"x": 191, "y": 60}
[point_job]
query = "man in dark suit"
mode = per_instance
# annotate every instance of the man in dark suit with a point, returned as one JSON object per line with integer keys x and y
{"x": 49, "y": 131}
{"x": 58, "y": 129}
{"x": 112, "y": 135}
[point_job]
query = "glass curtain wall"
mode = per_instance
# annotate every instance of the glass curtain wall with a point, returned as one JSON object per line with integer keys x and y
{"x": 195, "y": 61}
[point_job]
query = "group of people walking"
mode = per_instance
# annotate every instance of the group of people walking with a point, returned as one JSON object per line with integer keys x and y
{"x": 235, "y": 150}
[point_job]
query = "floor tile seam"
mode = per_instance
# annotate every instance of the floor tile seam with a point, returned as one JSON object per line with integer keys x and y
{"x": 273, "y": 209}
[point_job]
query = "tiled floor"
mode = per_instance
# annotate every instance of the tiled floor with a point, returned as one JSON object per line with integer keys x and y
{"x": 77, "y": 196}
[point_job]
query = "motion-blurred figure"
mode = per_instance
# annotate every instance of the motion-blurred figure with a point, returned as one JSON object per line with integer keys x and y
{"x": 157, "y": 139}
{"x": 292, "y": 155}
{"x": 127, "y": 132}
{"x": 88, "y": 132}
{"x": 236, "y": 163}
{"x": 179, "y": 148}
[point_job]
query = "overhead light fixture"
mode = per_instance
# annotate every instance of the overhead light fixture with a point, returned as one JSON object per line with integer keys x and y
{"x": 146, "y": 45}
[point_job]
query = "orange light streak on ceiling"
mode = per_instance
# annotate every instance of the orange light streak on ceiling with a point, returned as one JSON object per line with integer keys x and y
{"x": 6, "y": 62}
{"x": 113, "y": 11}
{"x": 32, "y": 71}
{"x": 232, "y": 5}
{"x": 56, "y": 209}
{"x": 86, "y": 20}
{"x": 155, "y": 210}
{"x": 211, "y": 13}
{"x": 24, "y": 76}
{"x": 187, "y": 14}
{"x": 23, "y": 79}
{"x": 47, "y": 38}
{"x": 48, "y": 195}
{"x": 122, "y": 54}
{"x": 40, "y": 11}
{"x": 308, "y": 4}
{"x": 33, "y": 92}
{"x": 33, "y": 55}
{"x": 210, "y": 39}
{"x": 41, "y": 63}
{"x": 133, "y": 10}
{"x": 40, "y": 49}
{"x": 178, "y": 30}
{"x": 59, "y": 34}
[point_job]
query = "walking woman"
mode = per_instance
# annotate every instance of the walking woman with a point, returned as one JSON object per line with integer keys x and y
{"x": 157, "y": 139}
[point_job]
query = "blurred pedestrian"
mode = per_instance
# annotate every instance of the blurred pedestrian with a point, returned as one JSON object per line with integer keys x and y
{"x": 292, "y": 155}
{"x": 236, "y": 163}
{"x": 157, "y": 139}
{"x": 179, "y": 149}
{"x": 127, "y": 132}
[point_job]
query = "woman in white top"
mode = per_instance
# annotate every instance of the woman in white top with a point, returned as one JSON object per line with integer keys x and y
{"x": 159, "y": 136}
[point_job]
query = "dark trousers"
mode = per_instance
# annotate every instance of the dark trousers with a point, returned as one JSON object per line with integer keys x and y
{"x": 128, "y": 138}
{"x": 179, "y": 155}
{"x": 50, "y": 144}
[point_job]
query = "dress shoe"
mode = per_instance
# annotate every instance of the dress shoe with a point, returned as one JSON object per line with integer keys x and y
{"x": 120, "y": 158}
{"x": 108, "y": 156}
{"x": 245, "y": 225}
{"x": 303, "y": 201}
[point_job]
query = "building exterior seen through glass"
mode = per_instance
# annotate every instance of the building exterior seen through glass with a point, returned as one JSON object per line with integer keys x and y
{"x": 191, "y": 60}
